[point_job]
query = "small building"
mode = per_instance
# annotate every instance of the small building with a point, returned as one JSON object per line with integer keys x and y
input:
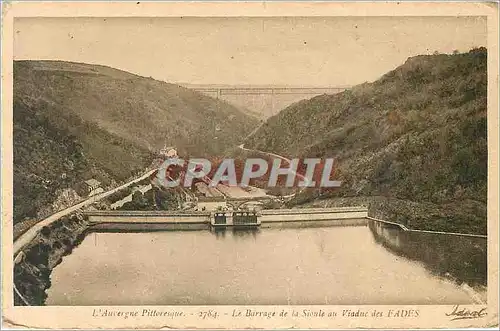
{"x": 168, "y": 151}
{"x": 92, "y": 185}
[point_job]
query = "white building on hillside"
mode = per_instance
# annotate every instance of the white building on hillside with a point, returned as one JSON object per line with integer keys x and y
{"x": 93, "y": 187}
{"x": 168, "y": 151}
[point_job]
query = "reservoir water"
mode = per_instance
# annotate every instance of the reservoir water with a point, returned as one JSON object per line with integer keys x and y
{"x": 296, "y": 266}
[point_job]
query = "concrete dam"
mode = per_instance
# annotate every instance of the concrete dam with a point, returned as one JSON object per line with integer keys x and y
{"x": 151, "y": 220}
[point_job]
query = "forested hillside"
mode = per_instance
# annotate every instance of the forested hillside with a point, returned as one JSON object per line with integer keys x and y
{"x": 415, "y": 139}
{"x": 75, "y": 121}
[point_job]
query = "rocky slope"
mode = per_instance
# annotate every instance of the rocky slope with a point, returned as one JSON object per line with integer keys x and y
{"x": 44, "y": 253}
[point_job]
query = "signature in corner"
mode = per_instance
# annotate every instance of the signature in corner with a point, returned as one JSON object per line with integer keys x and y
{"x": 460, "y": 313}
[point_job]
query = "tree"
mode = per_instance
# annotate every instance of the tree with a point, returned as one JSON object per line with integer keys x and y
{"x": 166, "y": 200}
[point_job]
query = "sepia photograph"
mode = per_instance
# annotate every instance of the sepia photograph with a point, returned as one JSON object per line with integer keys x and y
{"x": 251, "y": 162}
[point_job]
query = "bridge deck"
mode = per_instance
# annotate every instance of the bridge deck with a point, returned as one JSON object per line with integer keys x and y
{"x": 244, "y": 90}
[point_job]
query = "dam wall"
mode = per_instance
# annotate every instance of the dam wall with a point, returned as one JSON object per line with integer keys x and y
{"x": 150, "y": 220}
{"x": 139, "y": 217}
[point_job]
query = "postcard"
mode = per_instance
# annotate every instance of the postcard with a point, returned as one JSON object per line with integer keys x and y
{"x": 270, "y": 165}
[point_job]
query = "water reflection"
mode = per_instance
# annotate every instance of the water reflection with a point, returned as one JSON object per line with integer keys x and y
{"x": 236, "y": 232}
{"x": 245, "y": 232}
{"x": 220, "y": 233}
{"x": 298, "y": 266}
{"x": 461, "y": 258}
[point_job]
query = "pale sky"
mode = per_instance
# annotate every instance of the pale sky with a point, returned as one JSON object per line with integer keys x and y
{"x": 294, "y": 51}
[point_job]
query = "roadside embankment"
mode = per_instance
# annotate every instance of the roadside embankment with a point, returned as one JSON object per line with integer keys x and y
{"x": 35, "y": 262}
